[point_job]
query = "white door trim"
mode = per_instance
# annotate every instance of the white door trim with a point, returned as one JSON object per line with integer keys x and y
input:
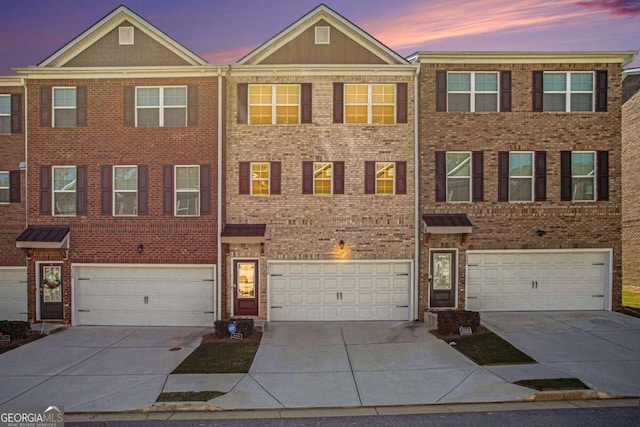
{"x": 37, "y": 267}
{"x": 457, "y": 267}
{"x": 233, "y": 273}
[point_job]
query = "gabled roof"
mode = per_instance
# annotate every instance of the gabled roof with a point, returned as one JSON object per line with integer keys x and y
{"x": 107, "y": 24}
{"x": 322, "y": 12}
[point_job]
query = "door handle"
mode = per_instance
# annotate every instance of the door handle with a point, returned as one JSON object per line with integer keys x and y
{"x": 340, "y": 296}
{"x": 532, "y": 284}
{"x": 536, "y": 284}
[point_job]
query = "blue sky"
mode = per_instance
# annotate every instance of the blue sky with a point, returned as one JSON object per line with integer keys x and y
{"x": 224, "y": 31}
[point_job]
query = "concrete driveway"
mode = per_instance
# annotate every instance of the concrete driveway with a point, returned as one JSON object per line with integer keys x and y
{"x": 600, "y": 348}
{"x": 93, "y": 369}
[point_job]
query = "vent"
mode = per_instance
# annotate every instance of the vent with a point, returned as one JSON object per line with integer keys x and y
{"x": 322, "y": 35}
{"x": 126, "y": 35}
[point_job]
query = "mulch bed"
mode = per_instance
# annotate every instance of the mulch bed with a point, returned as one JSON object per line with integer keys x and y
{"x": 19, "y": 341}
{"x": 480, "y": 330}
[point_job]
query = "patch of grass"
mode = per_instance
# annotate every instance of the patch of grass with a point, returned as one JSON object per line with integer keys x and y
{"x": 219, "y": 358}
{"x": 189, "y": 396}
{"x": 554, "y": 384}
{"x": 4, "y": 349}
{"x": 490, "y": 349}
{"x": 631, "y": 298}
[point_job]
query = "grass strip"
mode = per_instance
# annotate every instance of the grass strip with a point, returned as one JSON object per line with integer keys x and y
{"x": 189, "y": 396}
{"x": 554, "y": 384}
{"x": 219, "y": 358}
{"x": 490, "y": 349}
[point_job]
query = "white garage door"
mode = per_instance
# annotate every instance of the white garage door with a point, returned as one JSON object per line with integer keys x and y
{"x": 537, "y": 280}
{"x": 322, "y": 291}
{"x": 145, "y": 295}
{"x": 13, "y": 293}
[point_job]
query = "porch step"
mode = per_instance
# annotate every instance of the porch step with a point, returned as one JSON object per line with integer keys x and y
{"x": 48, "y": 328}
{"x": 431, "y": 320}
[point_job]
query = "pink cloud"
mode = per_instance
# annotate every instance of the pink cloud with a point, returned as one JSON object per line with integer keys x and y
{"x": 615, "y": 7}
{"x": 227, "y": 56}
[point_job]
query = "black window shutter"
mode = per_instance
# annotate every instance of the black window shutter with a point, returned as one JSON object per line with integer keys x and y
{"x": 129, "y": 105}
{"x": 16, "y": 113}
{"x": 14, "y": 186}
{"x": 503, "y": 176}
{"x": 45, "y": 106}
{"x": 505, "y": 91}
{"x": 401, "y": 103}
{"x": 167, "y": 190}
{"x": 307, "y": 177}
{"x": 369, "y": 177}
{"x": 205, "y": 189}
{"x": 338, "y": 102}
{"x": 441, "y": 176}
{"x": 105, "y": 188}
{"x": 245, "y": 178}
{"x": 540, "y": 177}
{"x": 143, "y": 189}
{"x": 45, "y": 190}
{"x": 192, "y": 107}
{"x": 477, "y": 178}
{"x": 601, "y": 90}
{"x": 603, "y": 175}
{"x": 537, "y": 90}
{"x": 81, "y": 106}
{"x": 275, "y": 178}
{"x": 441, "y": 91}
{"x": 401, "y": 177}
{"x": 305, "y": 103}
{"x": 338, "y": 177}
{"x": 565, "y": 176}
{"x": 81, "y": 190}
{"x": 243, "y": 94}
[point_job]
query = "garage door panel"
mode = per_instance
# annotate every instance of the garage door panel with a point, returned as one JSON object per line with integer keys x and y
{"x": 13, "y": 294}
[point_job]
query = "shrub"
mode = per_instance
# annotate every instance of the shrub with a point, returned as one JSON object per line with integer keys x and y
{"x": 15, "y": 328}
{"x": 243, "y": 326}
{"x": 449, "y": 321}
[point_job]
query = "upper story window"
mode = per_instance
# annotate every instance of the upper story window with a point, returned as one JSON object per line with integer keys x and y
{"x": 274, "y": 104}
{"x": 260, "y": 178}
{"x": 472, "y": 92}
{"x": 4, "y": 187}
{"x": 161, "y": 106}
{"x": 5, "y": 113}
{"x": 64, "y": 107}
{"x": 125, "y": 190}
{"x": 385, "y": 177}
{"x": 458, "y": 176}
{"x": 322, "y": 178}
{"x": 187, "y": 190}
{"x": 520, "y": 176}
{"x": 64, "y": 190}
{"x": 583, "y": 175}
{"x": 569, "y": 92}
{"x": 370, "y": 103}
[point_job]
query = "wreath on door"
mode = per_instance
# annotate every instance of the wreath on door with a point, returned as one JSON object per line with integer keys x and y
{"x": 51, "y": 279}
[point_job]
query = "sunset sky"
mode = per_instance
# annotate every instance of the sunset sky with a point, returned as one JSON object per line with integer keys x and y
{"x": 222, "y": 31}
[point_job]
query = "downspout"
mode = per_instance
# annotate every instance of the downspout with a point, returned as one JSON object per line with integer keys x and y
{"x": 26, "y": 145}
{"x": 416, "y": 195}
{"x": 219, "y": 198}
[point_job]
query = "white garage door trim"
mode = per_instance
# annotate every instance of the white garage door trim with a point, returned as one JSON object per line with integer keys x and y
{"x": 409, "y": 274}
{"x": 608, "y": 255}
{"x": 75, "y": 268}
{"x": 13, "y": 293}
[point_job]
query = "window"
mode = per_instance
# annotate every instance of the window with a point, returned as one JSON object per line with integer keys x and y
{"x": 5, "y": 113}
{"x": 458, "y": 176}
{"x": 187, "y": 188}
{"x": 5, "y": 187}
{"x": 274, "y": 104}
{"x": 322, "y": 181}
{"x": 583, "y": 173}
{"x": 260, "y": 178}
{"x": 161, "y": 106}
{"x": 370, "y": 104}
{"x": 125, "y": 190}
{"x": 64, "y": 107}
{"x": 570, "y": 92}
{"x": 64, "y": 190}
{"x": 520, "y": 177}
{"x": 472, "y": 92}
{"x": 125, "y": 35}
{"x": 385, "y": 178}
{"x": 322, "y": 35}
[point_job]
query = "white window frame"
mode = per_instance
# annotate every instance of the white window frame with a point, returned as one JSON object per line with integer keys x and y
{"x": 161, "y": 107}
{"x": 267, "y": 179}
{"x": 568, "y": 92}
{"x": 330, "y": 179}
{"x": 54, "y": 191}
{"x": 126, "y": 36}
{"x": 473, "y": 92}
{"x": 7, "y": 188}
{"x": 392, "y": 179}
{"x": 370, "y": 103}
{"x": 274, "y": 104}
{"x": 176, "y": 191}
{"x": 593, "y": 177}
{"x": 531, "y": 177}
{"x": 468, "y": 178}
{"x": 124, "y": 191}
{"x": 53, "y": 103}
{"x": 7, "y": 96}
{"x": 323, "y": 34}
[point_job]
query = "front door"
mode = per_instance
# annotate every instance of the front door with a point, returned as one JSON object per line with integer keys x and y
{"x": 51, "y": 292}
{"x": 442, "y": 279}
{"x": 245, "y": 286}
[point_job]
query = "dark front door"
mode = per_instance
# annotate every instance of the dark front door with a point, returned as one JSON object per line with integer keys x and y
{"x": 442, "y": 279}
{"x": 245, "y": 287}
{"x": 51, "y": 292}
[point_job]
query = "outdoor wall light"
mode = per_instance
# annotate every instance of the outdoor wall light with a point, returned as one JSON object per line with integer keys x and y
{"x": 140, "y": 248}
{"x": 541, "y": 233}
{"x": 341, "y": 244}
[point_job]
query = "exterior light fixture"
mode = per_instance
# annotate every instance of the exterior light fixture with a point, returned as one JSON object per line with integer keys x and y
{"x": 541, "y": 233}
{"x": 341, "y": 244}
{"x": 140, "y": 248}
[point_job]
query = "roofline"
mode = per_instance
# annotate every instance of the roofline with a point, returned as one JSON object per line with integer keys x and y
{"x": 631, "y": 71}
{"x": 10, "y": 81}
{"x": 323, "y": 69}
{"x": 521, "y": 57}
{"x": 207, "y": 70}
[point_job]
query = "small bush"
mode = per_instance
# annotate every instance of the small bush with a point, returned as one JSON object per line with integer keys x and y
{"x": 15, "y": 328}
{"x": 243, "y": 326}
{"x": 449, "y": 321}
